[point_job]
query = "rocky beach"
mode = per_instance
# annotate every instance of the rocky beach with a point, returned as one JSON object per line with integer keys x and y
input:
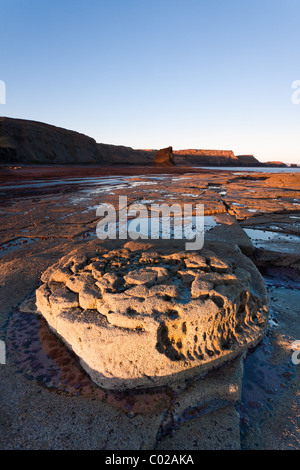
{"x": 105, "y": 345}
{"x": 149, "y": 230}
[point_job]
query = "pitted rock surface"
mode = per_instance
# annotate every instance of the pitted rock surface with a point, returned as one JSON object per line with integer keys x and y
{"x": 146, "y": 318}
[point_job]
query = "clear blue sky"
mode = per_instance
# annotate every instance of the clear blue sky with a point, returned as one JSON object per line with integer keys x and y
{"x": 212, "y": 74}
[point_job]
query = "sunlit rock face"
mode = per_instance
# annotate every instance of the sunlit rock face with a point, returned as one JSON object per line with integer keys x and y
{"x": 138, "y": 317}
{"x": 164, "y": 157}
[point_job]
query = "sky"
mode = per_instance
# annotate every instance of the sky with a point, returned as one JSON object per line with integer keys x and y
{"x": 208, "y": 74}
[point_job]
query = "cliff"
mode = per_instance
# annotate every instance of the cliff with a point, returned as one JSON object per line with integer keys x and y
{"x": 275, "y": 164}
{"x": 248, "y": 160}
{"x": 121, "y": 155}
{"x": 197, "y": 157}
{"x": 31, "y": 142}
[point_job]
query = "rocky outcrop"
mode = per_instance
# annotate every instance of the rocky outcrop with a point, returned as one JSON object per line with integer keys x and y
{"x": 164, "y": 157}
{"x": 142, "y": 318}
{"x": 213, "y": 158}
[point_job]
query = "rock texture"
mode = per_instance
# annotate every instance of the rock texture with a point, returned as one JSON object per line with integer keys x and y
{"x": 164, "y": 157}
{"x": 142, "y": 318}
{"x": 248, "y": 160}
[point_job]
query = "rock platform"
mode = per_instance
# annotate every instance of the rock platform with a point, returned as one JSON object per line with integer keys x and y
{"x": 49, "y": 400}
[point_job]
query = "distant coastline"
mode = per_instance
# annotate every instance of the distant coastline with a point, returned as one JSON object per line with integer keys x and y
{"x": 267, "y": 169}
{"x": 37, "y": 143}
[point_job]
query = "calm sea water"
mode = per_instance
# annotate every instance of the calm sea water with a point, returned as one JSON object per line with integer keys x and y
{"x": 239, "y": 169}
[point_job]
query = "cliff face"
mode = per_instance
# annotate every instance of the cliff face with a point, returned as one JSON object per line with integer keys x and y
{"x": 275, "y": 164}
{"x": 121, "y": 155}
{"x": 31, "y": 142}
{"x": 206, "y": 153}
{"x": 248, "y": 160}
{"x": 35, "y": 142}
{"x": 213, "y": 158}
{"x": 164, "y": 157}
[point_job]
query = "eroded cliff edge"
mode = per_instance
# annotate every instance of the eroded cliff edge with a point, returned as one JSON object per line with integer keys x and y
{"x": 31, "y": 142}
